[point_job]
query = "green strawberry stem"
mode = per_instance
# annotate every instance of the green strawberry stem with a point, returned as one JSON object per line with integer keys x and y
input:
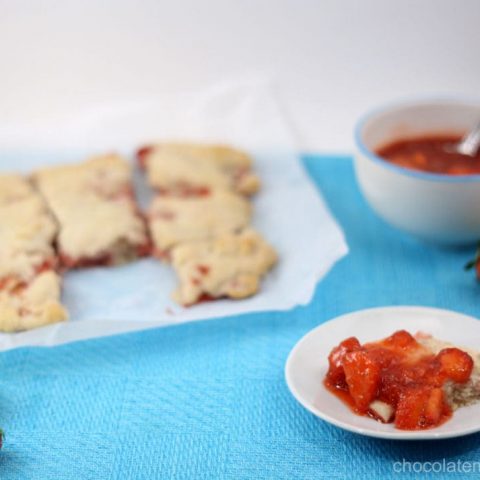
{"x": 475, "y": 262}
{"x": 470, "y": 264}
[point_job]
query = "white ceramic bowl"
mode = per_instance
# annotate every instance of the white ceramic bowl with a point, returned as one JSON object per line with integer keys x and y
{"x": 439, "y": 208}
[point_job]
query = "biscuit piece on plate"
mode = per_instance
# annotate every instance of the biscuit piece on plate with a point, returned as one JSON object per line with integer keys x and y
{"x": 94, "y": 204}
{"x": 196, "y": 169}
{"x": 176, "y": 220}
{"x": 230, "y": 265}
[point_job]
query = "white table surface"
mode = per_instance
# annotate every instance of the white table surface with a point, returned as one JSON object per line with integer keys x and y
{"x": 329, "y": 60}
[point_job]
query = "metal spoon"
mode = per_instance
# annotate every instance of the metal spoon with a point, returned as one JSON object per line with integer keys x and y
{"x": 470, "y": 143}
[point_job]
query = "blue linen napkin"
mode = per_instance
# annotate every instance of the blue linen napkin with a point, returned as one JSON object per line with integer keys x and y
{"x": 208, "y": 399}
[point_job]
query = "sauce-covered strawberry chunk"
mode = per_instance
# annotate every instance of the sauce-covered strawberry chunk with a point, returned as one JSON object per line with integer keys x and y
{"x": 396, "y": 379}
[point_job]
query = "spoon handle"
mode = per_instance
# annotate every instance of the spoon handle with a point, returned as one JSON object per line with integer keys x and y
{"x": 470, "y": 143}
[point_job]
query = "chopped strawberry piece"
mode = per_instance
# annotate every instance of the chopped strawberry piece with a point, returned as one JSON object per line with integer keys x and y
{"x": 336, "y": 374}
{"x": 410, "y": 409}
{"x": 455, "y": 364}
{"x": 362, "y": 374}
{"x": 400, "y": 340}
{"x": 459, "y": 170}
{"x": 420, "y": 408}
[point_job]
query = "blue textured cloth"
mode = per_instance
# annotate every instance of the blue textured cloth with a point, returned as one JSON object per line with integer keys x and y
{"x": 208, "y": 399}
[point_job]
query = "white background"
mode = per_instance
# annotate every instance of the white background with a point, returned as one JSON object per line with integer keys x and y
{"x": 330, "y": 60}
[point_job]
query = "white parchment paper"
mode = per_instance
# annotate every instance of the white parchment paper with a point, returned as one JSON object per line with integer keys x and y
{"x": 288, "y": 211}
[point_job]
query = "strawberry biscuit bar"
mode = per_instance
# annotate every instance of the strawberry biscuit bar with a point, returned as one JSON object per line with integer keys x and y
{"x": 176, "y": 220}
{"x": 230, "y": 265}
{"x": 29, "y": 285}
{"x": 195, "y": 169}
{"x": 94, "y": 204}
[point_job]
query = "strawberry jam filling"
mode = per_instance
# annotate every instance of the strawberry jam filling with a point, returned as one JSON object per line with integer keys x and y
{"x": 100, "y": 260}
{"x": 144, "y": 249}
{"x": 13, "y": 286}
{"x": 162, "y": 254}
{"x": 103, "y": 259}
{"x": 14, "y": 283}
{"x": 204, "y": 298}
{"x": 396, "y": 379}
{"x": 185, "y": 190}
{"x": 142, "y": 154}
{"x": 48, "y": 264}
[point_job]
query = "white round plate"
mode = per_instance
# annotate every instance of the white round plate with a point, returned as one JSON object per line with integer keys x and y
{"x": 307, "y": 365}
